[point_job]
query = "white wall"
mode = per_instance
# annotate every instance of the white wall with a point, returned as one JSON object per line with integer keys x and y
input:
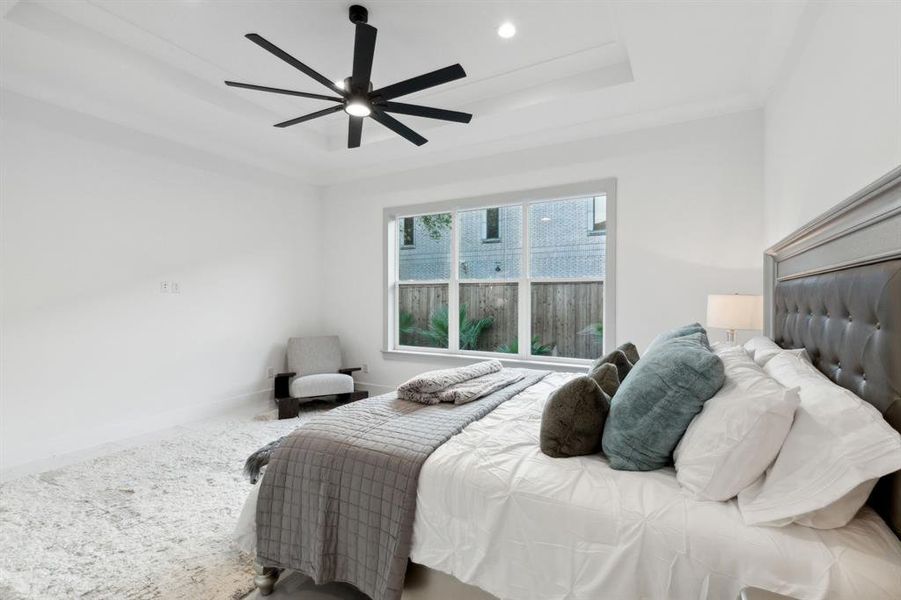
{"x": 833, "y": 121}
{"x": 689, "y": 223}
{"x": 93, "y": 219}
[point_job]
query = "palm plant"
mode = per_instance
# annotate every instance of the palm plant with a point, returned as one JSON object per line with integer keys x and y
{"x": 537, "y": 349}
{"x": 407, "y": 328}
{"x": 470, "y": 329}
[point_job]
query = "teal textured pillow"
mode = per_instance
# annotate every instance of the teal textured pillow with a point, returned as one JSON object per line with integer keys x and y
{"x": 654, "y": 405}
{"x": 681, "y": 332}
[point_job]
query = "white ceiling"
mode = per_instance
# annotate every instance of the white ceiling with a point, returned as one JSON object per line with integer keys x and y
{"x": 574, "y": 69}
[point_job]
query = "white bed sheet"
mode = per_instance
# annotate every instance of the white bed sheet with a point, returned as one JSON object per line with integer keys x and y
{"x": 495, "y": 512}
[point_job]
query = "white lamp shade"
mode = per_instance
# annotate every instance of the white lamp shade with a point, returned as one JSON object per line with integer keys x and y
{"x": 735, "y": 311}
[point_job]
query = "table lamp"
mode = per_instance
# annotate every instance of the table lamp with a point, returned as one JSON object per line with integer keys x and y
{"x": 734, "y": 311}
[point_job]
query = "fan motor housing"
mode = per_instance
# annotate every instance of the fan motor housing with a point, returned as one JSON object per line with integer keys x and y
{"x": 358, "y": 14}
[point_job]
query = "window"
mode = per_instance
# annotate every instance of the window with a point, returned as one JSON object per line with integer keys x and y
{"x": 408, "y": 229}
{"x": 538, "y": 292}
{"x": 423, "y": 281}
{"x": 599, "y": 215}
{"x": 492, "y": 225}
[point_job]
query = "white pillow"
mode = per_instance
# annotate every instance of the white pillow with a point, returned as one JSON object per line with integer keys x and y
{"x": 760, "y": 342}
{"x": 837, "y": 447}
{"x": 762, "y": 357}
{"x": 762, "y": 349}
{"x": 738, "y": 433}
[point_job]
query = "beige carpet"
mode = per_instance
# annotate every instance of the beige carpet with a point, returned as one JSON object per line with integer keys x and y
{"x": 146, "y": 523}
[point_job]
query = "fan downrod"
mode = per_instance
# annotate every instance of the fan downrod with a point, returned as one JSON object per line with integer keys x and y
{"x": 358, "y": 14}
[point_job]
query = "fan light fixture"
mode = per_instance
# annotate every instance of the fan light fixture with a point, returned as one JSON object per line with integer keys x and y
{"x": 355, "y": 94}
{"x": 357, "y": 109}
{"x": 507, "y": 30}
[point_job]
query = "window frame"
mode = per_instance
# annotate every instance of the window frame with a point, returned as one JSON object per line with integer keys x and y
{"x": 594, "y": 229}
{"x": 524, "y": 198}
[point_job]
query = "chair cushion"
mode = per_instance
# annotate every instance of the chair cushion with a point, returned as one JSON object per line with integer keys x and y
{"x": 312, "y": 355}
{"x": 322, "y": 384}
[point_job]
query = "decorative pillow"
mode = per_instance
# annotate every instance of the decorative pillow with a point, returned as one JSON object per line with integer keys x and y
{"x": 678, "y": 332}
{"x": 760, "y": 343}
{"x": 573, "y": 419}
{"x": 738, "y": 433}
{"x": 762, "y": 357}
{"x": 837, "y": 445}
{"x": 630, "y": 351}
{"x": 654, "y": 406}
{"x": 624, "y": 357}
{"x": 607, "y": 378}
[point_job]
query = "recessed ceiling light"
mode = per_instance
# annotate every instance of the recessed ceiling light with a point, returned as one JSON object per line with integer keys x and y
{"x": 507, "y": 30}
{"x": 357, "y": 109}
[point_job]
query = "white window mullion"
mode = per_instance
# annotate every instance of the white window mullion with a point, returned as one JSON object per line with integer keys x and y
{"x": 524, "y": 310}
{"x": 453, "y": 291}
{"x": 392, "y": 335}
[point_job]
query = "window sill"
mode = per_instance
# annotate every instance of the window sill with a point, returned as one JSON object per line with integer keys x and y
{"x": 597, "y": 232}
{"x": 561, "y": 364}
{"x": 491, "y": 240}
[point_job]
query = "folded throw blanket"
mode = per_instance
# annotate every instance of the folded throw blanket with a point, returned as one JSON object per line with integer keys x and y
{"x": 427, "y": 388}
{"x": 473, "y": 389}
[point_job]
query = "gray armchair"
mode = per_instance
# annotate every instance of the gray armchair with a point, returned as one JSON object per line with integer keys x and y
{"x": 314, "y": 373}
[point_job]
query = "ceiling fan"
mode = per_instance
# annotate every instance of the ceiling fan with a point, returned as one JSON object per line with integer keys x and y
{"x": 355, "y": 95}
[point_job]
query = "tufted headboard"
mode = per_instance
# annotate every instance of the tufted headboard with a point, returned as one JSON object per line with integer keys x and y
{"x": 834, "y": 288}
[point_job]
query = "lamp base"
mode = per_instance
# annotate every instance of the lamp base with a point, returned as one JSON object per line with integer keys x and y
{"x": 730, "y": 335}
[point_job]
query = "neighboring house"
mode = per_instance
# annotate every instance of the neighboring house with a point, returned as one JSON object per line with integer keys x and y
{"x": 568, "y": 238}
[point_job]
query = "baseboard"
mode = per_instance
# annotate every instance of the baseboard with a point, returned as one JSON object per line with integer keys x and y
{"x": 60, "y": 451}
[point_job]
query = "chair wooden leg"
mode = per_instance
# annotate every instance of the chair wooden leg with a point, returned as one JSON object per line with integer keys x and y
{"x": 265, "y": 578}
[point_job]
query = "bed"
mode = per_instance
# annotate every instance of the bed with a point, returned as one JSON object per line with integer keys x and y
{"x": 496, "y": 518}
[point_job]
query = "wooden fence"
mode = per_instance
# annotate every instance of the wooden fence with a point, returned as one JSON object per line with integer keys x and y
{"x": 565, "y": 315}
{"x": 420, "y": 302}
{"x": 496, "y": 300}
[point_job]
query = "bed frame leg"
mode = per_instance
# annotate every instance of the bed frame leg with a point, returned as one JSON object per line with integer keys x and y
{"x": 265, "y": 578}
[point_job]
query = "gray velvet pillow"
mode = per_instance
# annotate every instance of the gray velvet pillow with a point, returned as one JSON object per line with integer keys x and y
{"x": 573, "y": 419}
{"x": 630, "y": 351}
{"x": 653, "y": 407}
{"x": 618, "y": 359}
{"x": 607, "y": 378}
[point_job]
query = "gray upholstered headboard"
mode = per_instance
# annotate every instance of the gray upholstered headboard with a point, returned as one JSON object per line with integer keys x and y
{"x": 834, "y": 288}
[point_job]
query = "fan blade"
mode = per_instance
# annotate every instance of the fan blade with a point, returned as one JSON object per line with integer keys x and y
{"x": 397, "y": 127}
{"x": 426, "y": 111}
{"x": 364, "y": 51}
{"x": 421, "y": 82}
{"x": 354, "y": 132}
{"x": 315, "y": 115}
{"x": 263, "y": 88}
{"x": 272, "y": 48}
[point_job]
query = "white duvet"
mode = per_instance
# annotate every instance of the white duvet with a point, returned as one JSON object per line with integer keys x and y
{"x": 495, "y": 512}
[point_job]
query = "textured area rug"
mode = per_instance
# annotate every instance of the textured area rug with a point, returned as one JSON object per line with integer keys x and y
{"x": 145, "y": 523}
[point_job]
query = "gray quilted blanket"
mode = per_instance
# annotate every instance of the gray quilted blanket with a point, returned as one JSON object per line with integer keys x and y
{"x": 338, "y": 498}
